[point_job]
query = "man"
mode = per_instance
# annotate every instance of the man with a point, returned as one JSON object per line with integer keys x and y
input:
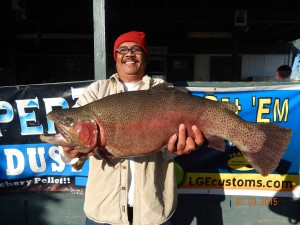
{"x": 142, "y": 189}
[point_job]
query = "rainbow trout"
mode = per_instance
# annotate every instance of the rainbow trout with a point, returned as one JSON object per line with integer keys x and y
{"x": 141, "y": 122}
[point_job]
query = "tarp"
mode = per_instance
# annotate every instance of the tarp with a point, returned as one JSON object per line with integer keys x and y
{"x": 27, "y": 164}
{"x": 296, "y": 68}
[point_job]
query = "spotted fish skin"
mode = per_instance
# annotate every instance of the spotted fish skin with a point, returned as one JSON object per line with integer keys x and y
{"x": 141, "y": 122}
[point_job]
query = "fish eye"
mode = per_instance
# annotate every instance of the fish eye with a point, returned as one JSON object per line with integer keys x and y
{"x": 68, "y": 121}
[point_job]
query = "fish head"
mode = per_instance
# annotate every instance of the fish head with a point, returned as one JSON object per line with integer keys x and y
{"x": 75, "y": 130}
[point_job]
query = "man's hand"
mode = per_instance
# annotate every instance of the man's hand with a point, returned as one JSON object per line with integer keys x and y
{"x": 181, "y": 144}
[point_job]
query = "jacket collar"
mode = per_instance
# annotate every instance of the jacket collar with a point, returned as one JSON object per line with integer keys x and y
{"x": 146, "y": 81}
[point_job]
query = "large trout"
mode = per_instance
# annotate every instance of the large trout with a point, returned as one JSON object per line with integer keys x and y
{"x": 141, "y": 122}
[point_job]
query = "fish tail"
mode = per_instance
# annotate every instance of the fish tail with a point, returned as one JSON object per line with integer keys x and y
{"x": 267, "y": 157}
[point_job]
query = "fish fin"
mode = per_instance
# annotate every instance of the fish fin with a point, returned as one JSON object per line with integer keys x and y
{"x": 228, "y": 105}
{"x": 161, "y": 87}
{"x": 103, "y": 154}
{"x": 98, "y": 154}
{"x": 79, "y": 164}
{"x": 267, "y": 158}
{"x": 168, "y": 87}
{"x": 216, "y": 143}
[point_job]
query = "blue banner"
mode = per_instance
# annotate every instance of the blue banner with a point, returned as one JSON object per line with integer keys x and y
{"x": 27, "y": 164}
{"x": 208, "y": 171}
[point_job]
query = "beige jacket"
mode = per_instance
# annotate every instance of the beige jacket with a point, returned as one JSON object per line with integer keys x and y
{"x": 155, "y": 193}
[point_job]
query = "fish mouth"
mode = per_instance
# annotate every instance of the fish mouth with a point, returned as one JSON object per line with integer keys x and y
{"x": 62, "y": 138}
{"x": 63, "y": 132}
{"x": 56, "y": 139}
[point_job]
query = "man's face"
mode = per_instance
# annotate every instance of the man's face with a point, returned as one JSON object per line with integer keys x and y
{"x": 130, "y": 64}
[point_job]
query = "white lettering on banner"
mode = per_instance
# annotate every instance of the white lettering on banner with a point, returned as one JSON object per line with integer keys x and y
{"x": 36, "y": 180}
{"x": 26, "y": 118}
{"x": 52, "y": 180}
{"x": 76, "y": 92}
{"x": 33, "y": 161}
{"x": 13, "y": 169}
{"x": 16, "y": 183}
{"x": 54, "y": 154}
{"x": 8, "y": 115}
{"x": 15, "y": 160}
